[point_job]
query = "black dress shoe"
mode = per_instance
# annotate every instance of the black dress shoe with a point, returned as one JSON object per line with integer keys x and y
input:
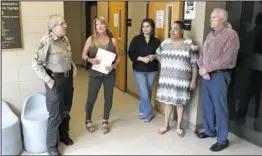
{"x": 203, "y": 135}
{"x": 67, "y": 141}
{"x": 55, "y": 152}
{"x": 218, "y": 147}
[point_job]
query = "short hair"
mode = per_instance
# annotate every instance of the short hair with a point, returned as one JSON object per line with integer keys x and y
{"x": 223, "y": 13}
{"x": 54, "y": 20}
{"x": 229, "y": 25}
{"x": 151, "y": 23}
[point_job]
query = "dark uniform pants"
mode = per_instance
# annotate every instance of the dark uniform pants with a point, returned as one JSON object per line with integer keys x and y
{"x": 58, "y": 102}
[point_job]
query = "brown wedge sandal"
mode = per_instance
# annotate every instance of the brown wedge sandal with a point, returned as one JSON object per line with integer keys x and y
{"x": 148, "y": 119}
{"x": 163, "y": 130}
{"x": 180, "y": 133}
{"x": 89, "y": 126}
{"x": 105, "y": 127}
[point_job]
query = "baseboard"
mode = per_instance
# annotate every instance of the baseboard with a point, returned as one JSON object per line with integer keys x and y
{"x": 132, "y": 94}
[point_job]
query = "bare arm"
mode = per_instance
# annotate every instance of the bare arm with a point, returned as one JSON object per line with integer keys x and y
{"x": 117, "y": 52}
{"x": 194, "y": 74}
{"x": 86, "y": 48}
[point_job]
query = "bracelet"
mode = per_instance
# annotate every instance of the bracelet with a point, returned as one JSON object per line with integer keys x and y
{"x": 88, "y": 60}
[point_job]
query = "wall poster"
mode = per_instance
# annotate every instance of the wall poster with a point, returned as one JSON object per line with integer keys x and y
{"x": 189, "y": 10}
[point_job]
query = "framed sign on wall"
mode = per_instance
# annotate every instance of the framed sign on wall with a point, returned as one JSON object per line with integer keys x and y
{"x": 189, "y": 14}
{"x": 11, "y": 37}
{"x": 189, "y": 10}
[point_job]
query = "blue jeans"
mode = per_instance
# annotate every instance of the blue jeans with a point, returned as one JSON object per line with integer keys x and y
{"x": 145, "y": 81}
{"x": 214, "y": 101}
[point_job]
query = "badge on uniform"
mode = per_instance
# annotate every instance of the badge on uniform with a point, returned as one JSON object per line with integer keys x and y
{"x": 40, "y": 46}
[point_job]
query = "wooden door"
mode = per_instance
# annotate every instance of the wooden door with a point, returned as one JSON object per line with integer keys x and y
{"x": 93, "y": 14}
{"x": 174, "y": 10}
{"x": 117, "y": 24}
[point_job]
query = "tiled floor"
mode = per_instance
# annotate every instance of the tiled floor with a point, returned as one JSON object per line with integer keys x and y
{"x": 130, "y": 135}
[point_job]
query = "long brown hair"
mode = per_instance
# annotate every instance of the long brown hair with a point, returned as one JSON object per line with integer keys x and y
{"x": 95, "y": 38}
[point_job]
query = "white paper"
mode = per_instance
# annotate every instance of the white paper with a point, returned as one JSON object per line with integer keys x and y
{"x": 116, "y": 20}
{"x": 106, "y": 58}
{"x": 190, "y": 10}
{"x": 160, "y": 19}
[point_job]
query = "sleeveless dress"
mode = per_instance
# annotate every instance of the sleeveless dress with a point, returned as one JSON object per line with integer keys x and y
{"x": 92, "y": 54}
{"x": 175, "y": 73}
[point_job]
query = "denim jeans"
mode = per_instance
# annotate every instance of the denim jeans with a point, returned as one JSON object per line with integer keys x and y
{"x": 145, "y": 81}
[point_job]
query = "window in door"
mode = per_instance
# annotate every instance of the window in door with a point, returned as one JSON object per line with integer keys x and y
{"x": 119, "y": 24}
{"x": 169, "y": 18}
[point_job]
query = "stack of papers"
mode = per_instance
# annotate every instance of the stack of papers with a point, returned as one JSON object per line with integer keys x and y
{"x": 106, "y": 58}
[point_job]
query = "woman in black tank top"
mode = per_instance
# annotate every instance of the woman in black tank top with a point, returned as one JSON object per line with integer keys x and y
{"x": 101, "y": 38}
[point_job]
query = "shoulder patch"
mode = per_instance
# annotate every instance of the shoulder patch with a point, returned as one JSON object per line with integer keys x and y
{"x": 45, "y": 38}
{"x": 40, "y": 46}
{"x": 36, "y": 56}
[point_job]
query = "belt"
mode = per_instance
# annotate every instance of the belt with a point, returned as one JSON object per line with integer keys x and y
{"x": 67, "y": 73}
{"x": 221, "y": 70}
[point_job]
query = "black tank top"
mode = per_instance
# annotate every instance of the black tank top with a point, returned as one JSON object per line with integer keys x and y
{"x": 92, "y": 54}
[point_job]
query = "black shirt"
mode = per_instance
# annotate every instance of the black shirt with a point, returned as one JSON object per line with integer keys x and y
{"x": 139, "y": 47}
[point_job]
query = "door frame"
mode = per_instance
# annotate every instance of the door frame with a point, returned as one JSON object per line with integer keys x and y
{"x": 125, "y": 45}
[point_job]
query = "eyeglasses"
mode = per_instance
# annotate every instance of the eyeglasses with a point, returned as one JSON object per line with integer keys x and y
{"x": 62, "y": 24}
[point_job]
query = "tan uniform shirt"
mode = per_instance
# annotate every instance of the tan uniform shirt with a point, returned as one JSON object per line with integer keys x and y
{"x": 54, "y": 53}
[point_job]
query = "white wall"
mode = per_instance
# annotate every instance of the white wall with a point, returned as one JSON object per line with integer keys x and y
{"x": 18, "y": 78}
{"x": 76, "y": 31}
{"x": 193, "y": 110}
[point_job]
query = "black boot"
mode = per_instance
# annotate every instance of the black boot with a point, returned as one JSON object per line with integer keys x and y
{"x": 67, "y": 140}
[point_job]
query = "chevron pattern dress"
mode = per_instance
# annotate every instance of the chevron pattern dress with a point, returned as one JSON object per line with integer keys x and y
{"x": 175, "y": 74}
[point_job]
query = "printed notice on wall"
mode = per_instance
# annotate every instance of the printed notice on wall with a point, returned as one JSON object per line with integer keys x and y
{"x": 116, "y": 20}
{"x": 159, "y": 19}
{"x": 190, "y": 10}
{"x": 11, "y": 25}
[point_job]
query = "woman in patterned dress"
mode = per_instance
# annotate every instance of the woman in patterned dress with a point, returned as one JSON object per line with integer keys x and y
{"x": 178, "y": 74}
